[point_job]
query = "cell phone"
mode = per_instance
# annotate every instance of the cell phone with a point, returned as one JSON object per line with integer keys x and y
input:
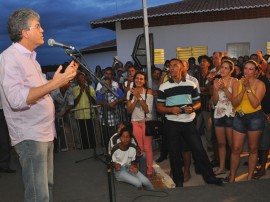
{"x": 241, "y": 113}
{"x": 182, "y": 107}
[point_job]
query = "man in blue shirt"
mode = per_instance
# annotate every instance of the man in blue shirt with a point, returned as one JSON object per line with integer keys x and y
{"x": 109, "y": 113}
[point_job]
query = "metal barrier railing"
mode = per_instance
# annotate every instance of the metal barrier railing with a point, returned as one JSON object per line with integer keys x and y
{"x": 99, "y": 123}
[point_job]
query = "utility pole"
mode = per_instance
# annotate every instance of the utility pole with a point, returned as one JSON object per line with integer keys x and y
{"x": 147, "y": 45}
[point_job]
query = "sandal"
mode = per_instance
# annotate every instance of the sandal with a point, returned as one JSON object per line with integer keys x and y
{"x": 221, "y": 172}
{"x": 187, "y": 178}
{"x": 258, "y": 175}
{"x": 226, "y": 179}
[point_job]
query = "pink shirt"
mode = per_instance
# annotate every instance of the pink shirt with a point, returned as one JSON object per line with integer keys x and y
{"x": 19, "y": 71}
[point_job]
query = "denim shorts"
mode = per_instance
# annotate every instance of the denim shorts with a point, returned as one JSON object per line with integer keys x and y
{"x": 249, "y": 122}
{"x": 224, "y": 122}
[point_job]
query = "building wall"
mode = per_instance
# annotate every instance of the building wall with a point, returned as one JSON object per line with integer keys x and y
{"x": 215, "y": 35}
{"x": 104, "y": 59}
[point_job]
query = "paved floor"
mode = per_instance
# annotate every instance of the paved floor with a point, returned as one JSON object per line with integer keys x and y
{"x": 197, "y": 180}
{"x": 88, "y": 181}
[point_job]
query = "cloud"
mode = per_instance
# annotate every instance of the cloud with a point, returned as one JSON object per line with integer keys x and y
{"x": 68, "y": 21}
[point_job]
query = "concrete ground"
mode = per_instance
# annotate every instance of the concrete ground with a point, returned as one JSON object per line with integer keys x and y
{"x": 88, "y": 181}
{"x": 163, "y": 169}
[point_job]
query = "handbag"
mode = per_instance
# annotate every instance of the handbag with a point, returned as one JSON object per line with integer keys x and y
{"x": 153, "y": 128}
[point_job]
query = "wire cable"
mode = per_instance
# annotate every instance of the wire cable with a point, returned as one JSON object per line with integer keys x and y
{"x": 165, "y": 195}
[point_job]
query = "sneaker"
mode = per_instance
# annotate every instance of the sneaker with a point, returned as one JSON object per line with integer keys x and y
{"x": 226, "y": 179}
{"x": 258, "y": 175}
{"x": 64, "y": 150}
{"x": 187, "y": 178}
{"x": 215, "y": 180}
{"x": 161, "y": 158}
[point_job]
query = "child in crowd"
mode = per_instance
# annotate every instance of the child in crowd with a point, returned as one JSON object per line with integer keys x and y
{"x": 124, "y": 156}
{"x": 116, "y": 139}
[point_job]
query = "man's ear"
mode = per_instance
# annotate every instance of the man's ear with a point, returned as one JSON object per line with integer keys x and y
{"x": 25, "y": 33}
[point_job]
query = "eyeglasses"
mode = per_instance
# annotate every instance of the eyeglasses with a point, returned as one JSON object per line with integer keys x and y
{"x": 37, "y": 26}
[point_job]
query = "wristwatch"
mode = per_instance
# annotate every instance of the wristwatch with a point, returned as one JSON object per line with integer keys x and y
{"x": 140, "y": 99}
{"x": 249, "y": 91}
{"x": 193, "y": 110}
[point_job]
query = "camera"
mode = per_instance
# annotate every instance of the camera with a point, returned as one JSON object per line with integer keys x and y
{"x": 166, "y": 69}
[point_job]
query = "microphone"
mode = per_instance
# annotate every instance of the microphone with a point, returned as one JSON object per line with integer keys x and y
{"x": 52, "y": 42}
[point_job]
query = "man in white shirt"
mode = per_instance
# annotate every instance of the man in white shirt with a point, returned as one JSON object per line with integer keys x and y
{"x": 27, "y": 105}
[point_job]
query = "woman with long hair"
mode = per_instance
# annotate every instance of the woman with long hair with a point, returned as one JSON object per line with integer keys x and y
{"x": 139, "y": 105}
{"x": 249, "y": 119}
{"x": 224, "y": 111}
{"x": 98, "y": 72}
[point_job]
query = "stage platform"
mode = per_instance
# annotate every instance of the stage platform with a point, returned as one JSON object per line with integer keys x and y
{"x": 87, "y": 181}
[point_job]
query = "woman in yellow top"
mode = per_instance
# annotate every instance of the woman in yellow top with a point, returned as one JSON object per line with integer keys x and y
{"x": 249, "y": 120}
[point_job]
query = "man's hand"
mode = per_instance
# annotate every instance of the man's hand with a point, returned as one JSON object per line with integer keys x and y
{"x": 61, "y": 79}
{"x": 259, "y": 53}
{"x": 72, "y": 69}
{"x": 112, "y": 104}
{"x": 188, "y": 110}
{"x": 87, "y": 90}
{"x": 61, "y": 114}
{"x": 176, "y": 110}
{"x": 82, "y": 88}
{"x": 211, "y": 75}
{"x": 268, "y": 118}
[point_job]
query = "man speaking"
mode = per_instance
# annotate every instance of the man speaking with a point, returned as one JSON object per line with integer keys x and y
{"x": 27, "y": 105}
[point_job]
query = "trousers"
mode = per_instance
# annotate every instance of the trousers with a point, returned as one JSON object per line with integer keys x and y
{"x": 36, "y": 159}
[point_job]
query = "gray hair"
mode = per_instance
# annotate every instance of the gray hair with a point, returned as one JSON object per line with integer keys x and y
{"x": 18, "y": 21}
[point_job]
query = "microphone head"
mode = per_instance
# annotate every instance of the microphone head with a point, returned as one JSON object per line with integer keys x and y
{"x": 51, "y": 42}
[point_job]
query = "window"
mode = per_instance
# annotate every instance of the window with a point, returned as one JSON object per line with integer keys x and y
{"x": 184, "y": 53}
{"x": 238, "y": 49}
{"x": 268, "y": 47}
{"x": 159, "y": 56}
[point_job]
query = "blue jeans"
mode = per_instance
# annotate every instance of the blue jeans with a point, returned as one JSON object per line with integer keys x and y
{"x": 36, "y": 159}
{"x": 142, "y": 164}
{"x": 180, "y": 131}
{"x": 138, "y": 179}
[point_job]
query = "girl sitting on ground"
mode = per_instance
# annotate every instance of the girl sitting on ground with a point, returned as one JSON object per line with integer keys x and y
{"x": 124, "y": 155}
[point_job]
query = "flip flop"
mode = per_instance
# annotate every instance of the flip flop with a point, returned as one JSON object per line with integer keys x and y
{"x": 220, "y": 172}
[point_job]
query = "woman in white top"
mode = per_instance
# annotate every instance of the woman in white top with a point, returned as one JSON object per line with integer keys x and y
{"x": 139, "y": 105}
{"x": 224, "y": 111}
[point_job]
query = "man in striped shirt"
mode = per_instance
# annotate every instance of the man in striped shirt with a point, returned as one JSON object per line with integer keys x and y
{"x": 178, "y": 99}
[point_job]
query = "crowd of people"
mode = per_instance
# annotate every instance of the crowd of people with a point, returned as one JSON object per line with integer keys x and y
{"x": 225, "y": 99}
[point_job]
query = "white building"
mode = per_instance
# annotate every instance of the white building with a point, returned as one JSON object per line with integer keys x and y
{"x": 192, "y": 27}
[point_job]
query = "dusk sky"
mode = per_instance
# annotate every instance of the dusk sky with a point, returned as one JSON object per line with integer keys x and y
{"x": 68, "y": 22}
